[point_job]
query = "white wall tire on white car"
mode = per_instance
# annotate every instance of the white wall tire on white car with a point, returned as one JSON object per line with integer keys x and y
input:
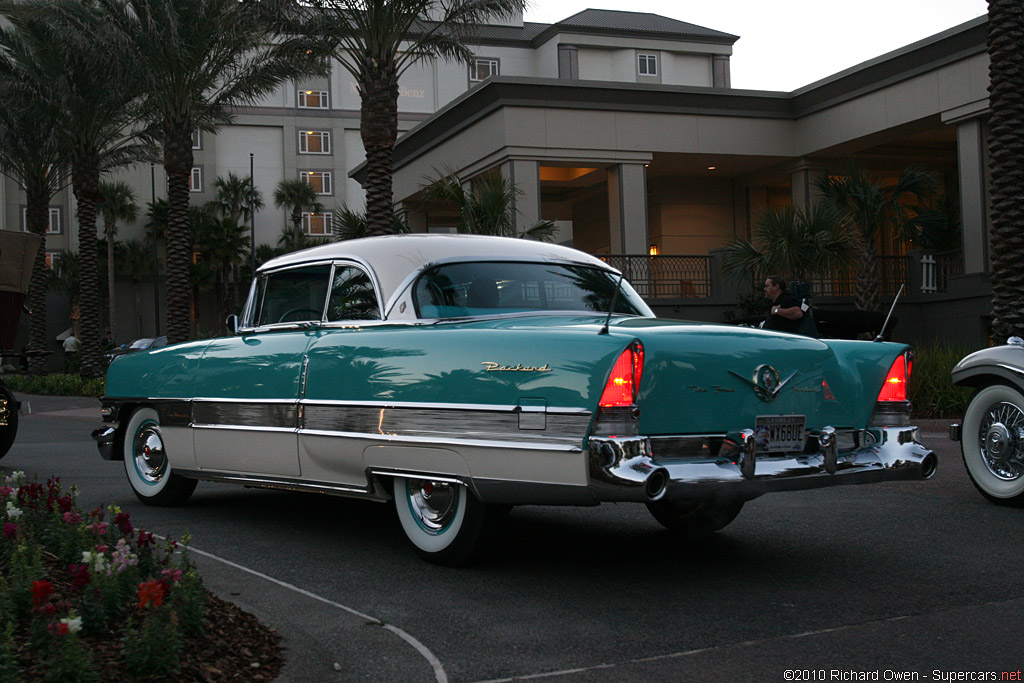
{"x": 443, "y": 520}
{"x": 147, "y": 465}
{"x": 992, "y": 443}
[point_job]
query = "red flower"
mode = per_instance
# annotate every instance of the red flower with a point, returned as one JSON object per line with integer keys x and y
{"x": 145, "y": 538}
{"x": 10, "y": 530}
{"x": 79, "y": 576}
{"x": 151, "y": 593}
{"x": 60, "y": 629}
{"x": 123, "y": 523}
{"x": 41, "y": 592}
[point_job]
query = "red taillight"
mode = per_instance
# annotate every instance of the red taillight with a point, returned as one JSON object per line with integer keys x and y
{"x": 625, "y": 378}
{"x": 895, "y": 387}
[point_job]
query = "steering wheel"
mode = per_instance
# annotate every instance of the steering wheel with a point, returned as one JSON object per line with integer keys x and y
{"x": 299, "y": 310}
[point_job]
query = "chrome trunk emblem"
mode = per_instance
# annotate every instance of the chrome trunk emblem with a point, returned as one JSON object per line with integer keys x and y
{"x": 766, "y": 382}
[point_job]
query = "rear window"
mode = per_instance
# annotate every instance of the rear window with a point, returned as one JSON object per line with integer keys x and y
{"x": 487, "y": 288}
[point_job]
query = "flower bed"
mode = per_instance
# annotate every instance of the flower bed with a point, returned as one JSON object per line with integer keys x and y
{"x": 88, "y": 597}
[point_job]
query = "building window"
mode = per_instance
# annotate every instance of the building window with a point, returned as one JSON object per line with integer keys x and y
{"x": 314, "y": 142}
{"x": 197, "y": 138}
{"x": 195, "y": 179}
{"x": 647, "y": 65}
{"x": 317, "y": 223}
{"x": 482, "y": 68}
{"x": 49, "y": 257}
{"x": 320, "y": 180}
{"x": 52, "y": 228}
{"x": 313, "y": 99}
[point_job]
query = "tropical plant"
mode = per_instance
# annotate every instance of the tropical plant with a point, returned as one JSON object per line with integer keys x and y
{"x": 1006, "y": 149}
{"x": 65, "y": 276}
{"x": 296, "y": 240}
{"x": 233, "y": 197}
{"x": 350, "y": 225}
{"x": 794, "y": 243}
{"x": 118, "y": 206}
{"x": 64, "y": 49}
{"x": 875, "y": 208}
{"x": 138, "y": 265}
{"x": 29, "y": 155}
{"x": 377, "y": 41}
{"x": 297, "y": 197}
{"x": 195, "y": 59}
{"x": 221, "y": 245}
{"x": 486, "y": 207}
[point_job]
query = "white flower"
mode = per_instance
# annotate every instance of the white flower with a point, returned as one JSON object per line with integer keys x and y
{"x": 12, "y": 511}
{"x": 74, "y": 624}
{"x": 18, "y": 478}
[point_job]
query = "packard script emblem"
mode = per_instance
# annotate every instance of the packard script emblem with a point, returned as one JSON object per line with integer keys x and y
{"x": 498, "y": 367}
{"x": 766, "y": 383}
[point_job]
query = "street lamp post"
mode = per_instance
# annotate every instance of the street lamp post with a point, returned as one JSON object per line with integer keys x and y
{"x": 252, "y": 217}
{"x": 156, "y": 257}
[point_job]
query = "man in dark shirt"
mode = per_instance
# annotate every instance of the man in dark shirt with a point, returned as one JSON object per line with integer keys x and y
{"x": 786, "y": 311}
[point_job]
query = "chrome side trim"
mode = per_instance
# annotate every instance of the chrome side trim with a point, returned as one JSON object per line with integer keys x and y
{"x": 245, "y": 414}
{"x": 442, "y": 406}
{"x": 461, "y": 424}
{"x": 522, "y": 444}
{"x": 241, "y": 428}
{"x": 286, "y": 483}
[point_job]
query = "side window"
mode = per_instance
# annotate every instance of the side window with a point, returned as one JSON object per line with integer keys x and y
{"x": 352, "y": 296}
{"x": 290, "y": 296}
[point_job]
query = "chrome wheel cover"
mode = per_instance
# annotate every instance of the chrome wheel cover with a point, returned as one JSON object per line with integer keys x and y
{"x": 434, "y": 504}
{"x": 1000, "y": 440}
{"x": 148, "y": 452}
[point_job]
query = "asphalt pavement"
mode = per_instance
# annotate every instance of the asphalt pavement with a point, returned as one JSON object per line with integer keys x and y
{"x": 901, "y": 576}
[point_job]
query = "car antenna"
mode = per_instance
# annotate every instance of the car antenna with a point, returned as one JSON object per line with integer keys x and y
{"x": 892, "y": 308}
{"x": 611, "y": 309}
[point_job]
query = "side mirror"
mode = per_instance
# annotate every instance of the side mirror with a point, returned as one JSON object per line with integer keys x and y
{"x": 231, "y": 322}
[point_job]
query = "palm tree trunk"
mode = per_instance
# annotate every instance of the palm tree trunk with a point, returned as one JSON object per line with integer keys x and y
{"x": 1006, "y": 149}
{"x": 110, "y": 229}
{"x": 86, "y": 186}
{"x": 36, "y": 220}
{"x": 378, "y": 127}
{"x": 178, "y": 164}
{"x": 866, "y": 294}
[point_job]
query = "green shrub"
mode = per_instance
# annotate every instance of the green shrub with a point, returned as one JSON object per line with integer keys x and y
{"x": 931, "y": 389}
{"x": 55, "y": 385}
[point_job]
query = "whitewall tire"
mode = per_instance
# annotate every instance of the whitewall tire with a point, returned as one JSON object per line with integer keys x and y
{"x": 992, "y": 443}
{"x": 443, "y": 520}
{"x": 147, "y": 465}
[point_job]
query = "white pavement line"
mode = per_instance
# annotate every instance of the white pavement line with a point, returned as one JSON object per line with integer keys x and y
{"x": 434, "y": 662}
{"x": 688, "y": 653}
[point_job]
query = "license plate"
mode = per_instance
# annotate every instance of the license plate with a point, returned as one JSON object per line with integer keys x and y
{"x": 779, "y": 433}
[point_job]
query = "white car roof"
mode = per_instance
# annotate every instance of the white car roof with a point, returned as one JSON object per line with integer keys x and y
{"x": 394, "y": 258}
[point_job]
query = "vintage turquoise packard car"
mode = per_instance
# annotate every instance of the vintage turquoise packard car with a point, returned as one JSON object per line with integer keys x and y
{"x": 460, "y": 375}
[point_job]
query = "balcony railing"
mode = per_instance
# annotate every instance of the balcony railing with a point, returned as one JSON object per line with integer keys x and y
{"x": 691, "y": 276}
{"x": 664, "y": 277}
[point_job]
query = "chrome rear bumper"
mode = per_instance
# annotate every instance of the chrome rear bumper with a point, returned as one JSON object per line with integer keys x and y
{"x": 627, "y": 469}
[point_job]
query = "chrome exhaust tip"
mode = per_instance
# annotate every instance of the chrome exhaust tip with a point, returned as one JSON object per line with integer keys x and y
{"x": 655, "y": 484}
{"x": 929, "y": 464}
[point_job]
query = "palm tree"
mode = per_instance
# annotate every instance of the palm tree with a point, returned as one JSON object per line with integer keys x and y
{"x": 196, "y": 59}
{"x": 138, "y": 265}
{"x": 873, "y": 207}
{"x": 118, "y": 205}
{"x": 350, "y": 225}
{"x": 66, "y": 277}
{"x": 64, "y": 51}
{"x": 297, "y": 197}
{"x": 29, "y": 154}
{"x": 232, "y": 197}
{"x": 376, "y": 41}
{"x": 486, "y": 208}
{"x": 1006, "y": 149}
{"x": 221, "y": 245}
{"x": 795, "y": 243}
